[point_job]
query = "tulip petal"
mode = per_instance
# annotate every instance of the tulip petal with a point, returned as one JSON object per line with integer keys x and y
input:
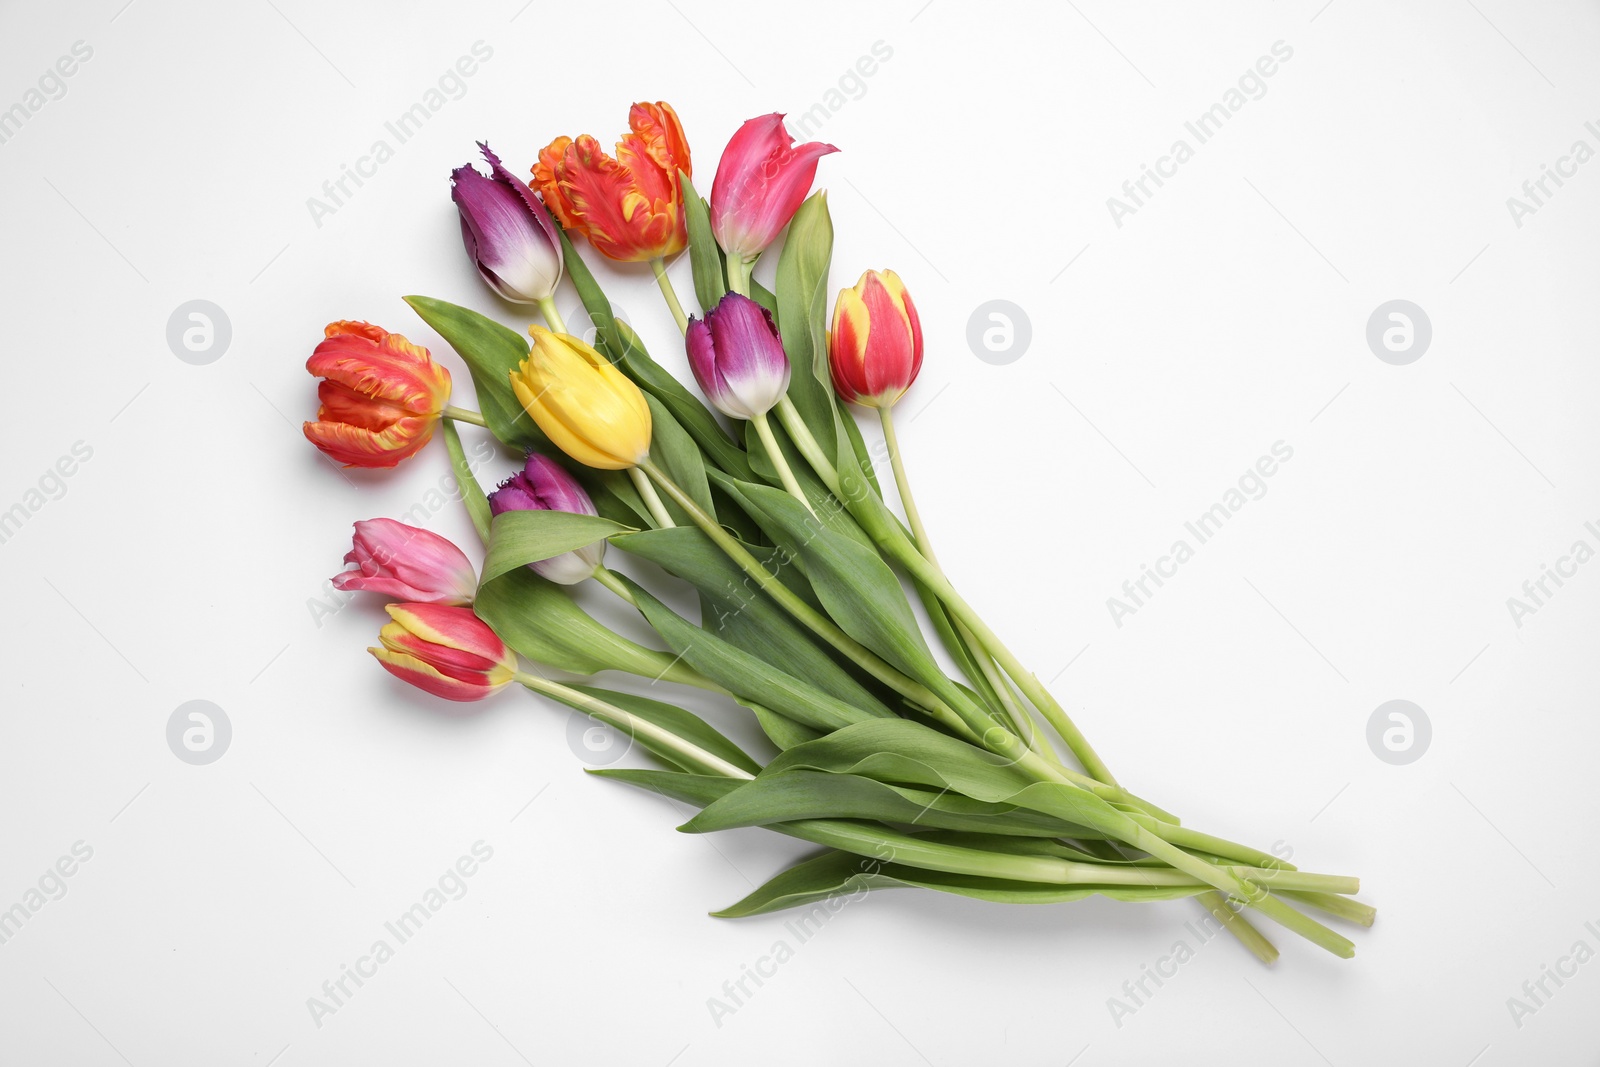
{"x": 357, "y": 447}
{"x": 452, "y": 627}
{"x": 409, "y": 668}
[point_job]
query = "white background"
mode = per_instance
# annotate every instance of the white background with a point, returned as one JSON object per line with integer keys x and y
{"x": 182, "y": 560}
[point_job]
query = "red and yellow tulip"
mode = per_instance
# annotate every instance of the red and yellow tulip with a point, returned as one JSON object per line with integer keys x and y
{"x": 380, "y": 395}
{"x": 446, "y": 651}
{"x": 629, "y": 206}
{"x": 875, "y": 348}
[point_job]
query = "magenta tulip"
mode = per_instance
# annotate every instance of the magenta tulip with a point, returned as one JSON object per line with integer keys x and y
{"x": 404, "y": 561}
{"x": 761, "y": 181}
{"x": 543, "y": 485}
{"x": 737, "y": 357}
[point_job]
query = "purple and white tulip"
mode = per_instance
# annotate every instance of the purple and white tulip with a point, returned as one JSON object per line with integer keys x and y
{"x": 737, "y": 357}
{"x": 507, "y": 231}
{"x": 404, "y": 561}
{"x": 542, "y": 485}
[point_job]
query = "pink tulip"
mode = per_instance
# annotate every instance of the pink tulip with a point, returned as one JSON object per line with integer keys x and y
{"x": 761, "y": 181}
{"x": 446, "y": 651}
{"x": 399, "y": 560}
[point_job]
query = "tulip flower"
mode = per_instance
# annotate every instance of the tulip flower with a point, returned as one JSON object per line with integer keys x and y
{"x": 380, "y": 396}
{"x": 737, "y": 357}
{"x": 631, "y": 206}
{"x": 542, "y": 485}
{"x": 446, "y": 651}
{"x": 761, "y": 180}
{"x": 404, "y": 561}
{"x": 508, "y": 233}
{"x": 875, "y": 348}
{"x": 588, "y": 408}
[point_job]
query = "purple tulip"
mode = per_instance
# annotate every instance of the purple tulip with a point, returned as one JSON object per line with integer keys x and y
{"x": 737, "y": 357}
{"x": 542, "y": 485}
{"x": 507, "y": 231}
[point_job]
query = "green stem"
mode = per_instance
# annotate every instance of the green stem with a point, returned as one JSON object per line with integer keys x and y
{"x": 594, "y": 707}
{"x": 552, "y": 317}
{"x": 608, "y": 578}
{"x": 804, "y": 613}
{"x": 739, "y": 270}
{"x": 659, "y": 268}
{"x": 919, "y": 533}
{"x": 800, "y": 434}
{"x": 931, "y": 576}
{"x": 462, "y": 415}
{"x": 652, "y": 501}
{"x": 785, "y": 475}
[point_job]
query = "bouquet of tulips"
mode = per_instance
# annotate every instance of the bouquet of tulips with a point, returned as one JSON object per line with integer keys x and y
{"x": 970, "y": 780}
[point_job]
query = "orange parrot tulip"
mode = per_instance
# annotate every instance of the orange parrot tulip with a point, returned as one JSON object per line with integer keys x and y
{"x": 630, "y": 207}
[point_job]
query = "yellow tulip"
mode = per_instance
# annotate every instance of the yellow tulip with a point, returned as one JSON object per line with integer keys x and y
{"x": 588, "y": 408}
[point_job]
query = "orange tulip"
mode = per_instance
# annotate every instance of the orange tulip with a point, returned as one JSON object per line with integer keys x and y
{"x": 630, "y": 207}
{"x": 380, "y": 396}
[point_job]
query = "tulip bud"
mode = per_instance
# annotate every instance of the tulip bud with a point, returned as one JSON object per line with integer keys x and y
{"x": 761, "y": 181}
{"x": 507, "y": 232}
{"x": 542, "y": 485}
{"x": 446, "y": 651}
{"x": 875, "y": 348}
{"x": 380, "y": 397}
{"x": 588, "y": 408}
{"x": 737, "y": 357}
{"x": 404, "y": 561}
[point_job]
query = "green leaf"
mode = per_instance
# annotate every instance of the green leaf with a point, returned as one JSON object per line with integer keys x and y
{"x": 855, "y": 586}
{"x": 780, "y": 729}
{"x": 745, "y": 675}
{"x": 906, "y": 752}
{"x": 710, "y": 283}
{"x": 826, "y": 506}
{"x": 471, "y": 493}
{"x": 806, "y": 794}
{"x": 766, "y": 298}
{"x": 517, "y": 538}
{"x": 802, "y": 300}
{"x": 842, "y": 874}
{"x": 542, "y": 622}
{"x": 676, "y": 452}
{"x": 697, "y": 789}
{"x": 491, "y": 352}
{"x": 686, "y": 724}
{"x": 744, "y": 616}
